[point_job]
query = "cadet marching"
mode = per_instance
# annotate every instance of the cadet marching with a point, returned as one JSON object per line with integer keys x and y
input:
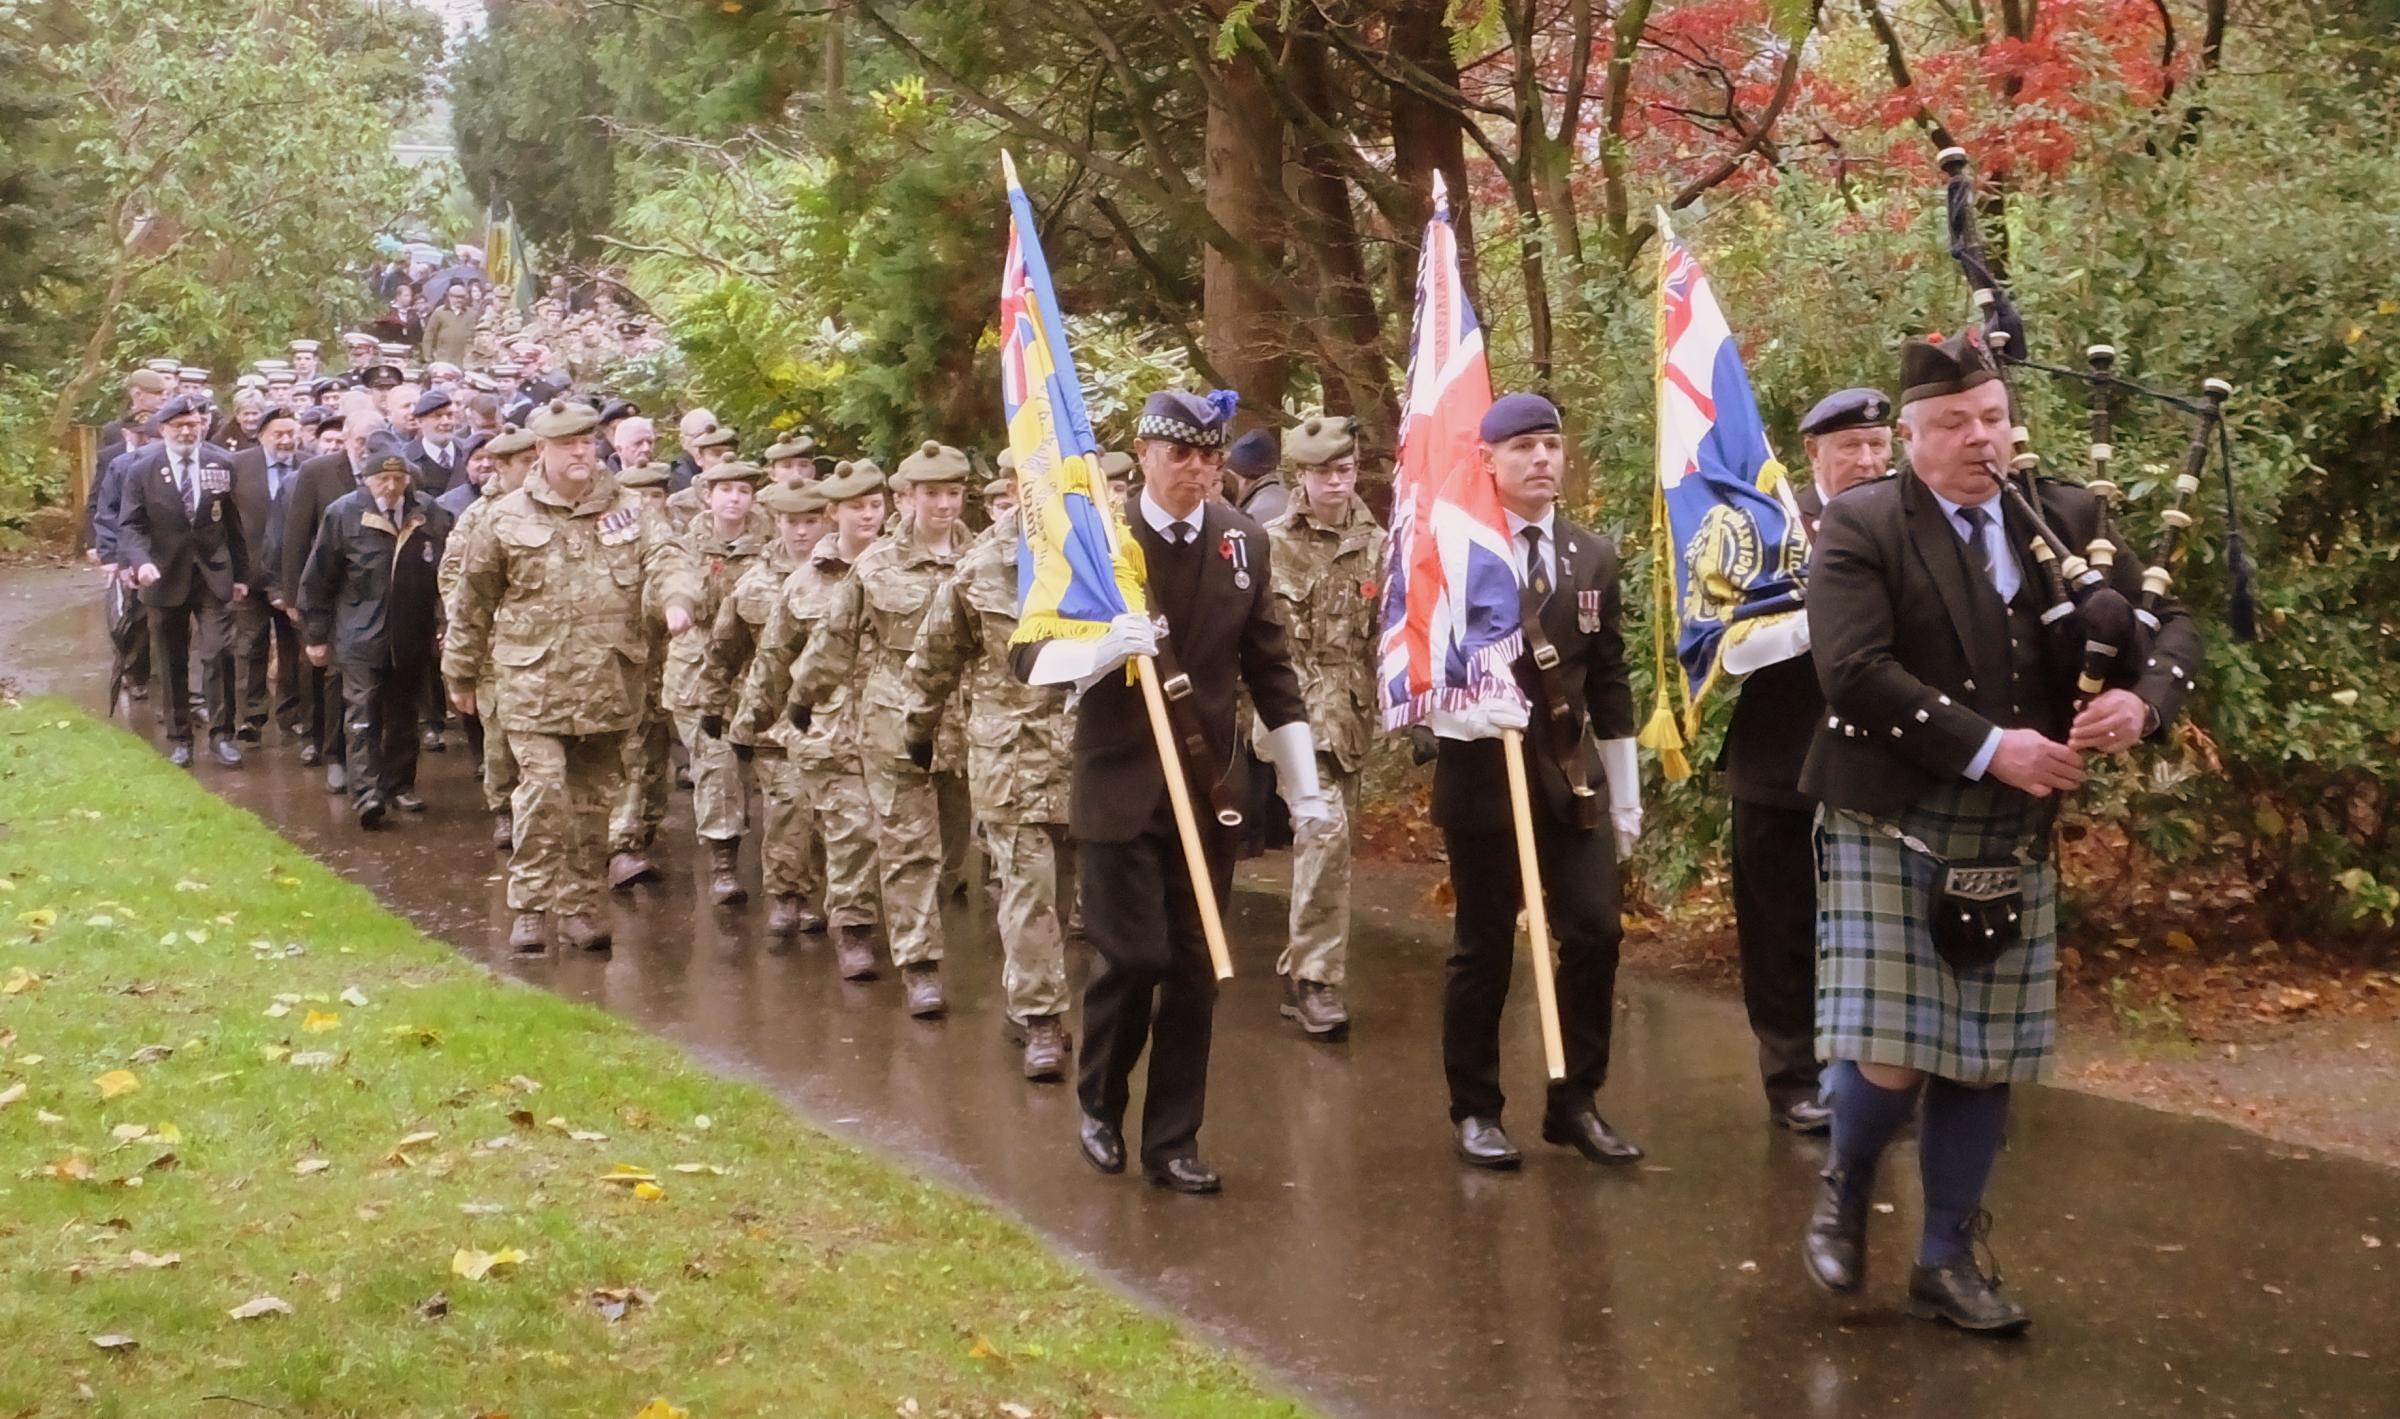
{"x": 349, "y": 558}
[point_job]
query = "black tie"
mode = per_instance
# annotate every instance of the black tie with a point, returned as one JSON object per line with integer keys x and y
{"x": 1978, "y": 551}
{"x": 1182, "y": 532}
{"x": 1537, "y": 566}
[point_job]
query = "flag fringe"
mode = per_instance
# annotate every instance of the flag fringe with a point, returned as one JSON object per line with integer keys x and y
{"x": 1050, "y": 626}
{"x": 1487, "y": 670}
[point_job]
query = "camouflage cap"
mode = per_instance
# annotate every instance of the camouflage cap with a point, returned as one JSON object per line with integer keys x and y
{"x": 147, "y": 381}
{"x": 649, "y": 475}
{"x": 932, "y": 463}
{"x": 1007, "y": 461}
{"x": 1320, "y": 438}
{"x": 510, "y": 440}
{"x": 851, "y": 479}
{"x": 792, "y": 499}
{"x": 562, "y": 419}
{"x": 795, "y": 446}
{"x": 722, "y": 436}
{"x": 732, "y": 470}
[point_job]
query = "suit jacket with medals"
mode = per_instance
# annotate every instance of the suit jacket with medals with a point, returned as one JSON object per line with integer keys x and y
{"x": 192, "y": 546}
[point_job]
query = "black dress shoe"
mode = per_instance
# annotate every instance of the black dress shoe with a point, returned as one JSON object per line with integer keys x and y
{"x": 408, "y": 802}
{"x": 225, "y": 751}
{"x": 1960, "y": 1292}
{"x": 1805, "y": 1116}
{"x": 309, "y": 757}
{"x": 179, "y": 753}
{"x": 1482, "y": 1144}
{"x": 1185, "y": 1175}
{"x": 1835, "y": 1245}
{"x": 250, "y": 736}
{"x": 370, "y": 810}
{"x": 1589, "y": 1134}
{"x": 433, "y": 742}
{"x": 1103, "y": 1146}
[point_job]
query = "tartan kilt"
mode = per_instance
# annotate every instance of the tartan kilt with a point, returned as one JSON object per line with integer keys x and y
{"x": 1884, "y": 996}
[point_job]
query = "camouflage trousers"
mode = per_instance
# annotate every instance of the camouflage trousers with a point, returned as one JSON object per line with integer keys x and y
{"x": 641, "y": 802}
{"x": 908, "y": 857}
{"x": 1319, "y": 947}
{"x": 787, "y": 843}
{"x": 564, "y": 785}
{"x": 959, "y": 828}
{"x": 499, "y": 761}
{"x": 720, "y": 785}
{"x": 846, "y": 823}
{"x": 1025, "y": 861}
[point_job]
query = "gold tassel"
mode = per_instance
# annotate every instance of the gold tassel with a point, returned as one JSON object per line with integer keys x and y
{"x": 1661, "y": 736}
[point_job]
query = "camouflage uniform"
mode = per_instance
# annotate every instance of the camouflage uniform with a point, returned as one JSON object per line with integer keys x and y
{"x": 1017, "y": 737}
{"x": 499, "y": 766}
{"x": 552, "y": 594}
{"x": 644, "y": 768}
{"x": 720, "y": 790}
{"x": 787, "y": 836}
{"x": 1326, "y": 582}
{"x": 824, "y": 757}
{"x": 870, "y": 625}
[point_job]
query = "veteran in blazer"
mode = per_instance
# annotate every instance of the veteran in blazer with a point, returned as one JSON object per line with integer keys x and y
{"x": 179, "y": 529}
{"x": 266, "y": 643}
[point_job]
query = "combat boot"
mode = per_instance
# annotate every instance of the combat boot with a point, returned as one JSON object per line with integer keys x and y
{"x": 1835, "y": 1245}
{"x": 584, "y": 932}
{"x": 1045, "y": 1049}
{"x": 921, "y": 988}
{"x": 504, "y": 831}
{"x": 1963, "y": 1292}
{"x": 1318, "y": 1009}
{"x": 627, "y": 866}
{"x": 724, "y": 873}
{"x": 529, "y": 933}
{"x": 854, "y": 953}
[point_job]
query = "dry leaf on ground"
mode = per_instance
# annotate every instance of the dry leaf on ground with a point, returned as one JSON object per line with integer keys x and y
{"x": 258, "y": 1306}
{"x": 117, "y": 1083}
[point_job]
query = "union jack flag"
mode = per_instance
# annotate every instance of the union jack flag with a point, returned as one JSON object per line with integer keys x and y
{"x": 1450, "y": 623}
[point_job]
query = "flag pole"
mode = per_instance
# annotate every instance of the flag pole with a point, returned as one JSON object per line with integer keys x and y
{"x": 1179, "y": 796}
{"x": 1537, "y": 912}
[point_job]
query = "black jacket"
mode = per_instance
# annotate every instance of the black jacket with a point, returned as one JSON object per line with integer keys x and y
{"x": 370, "y": 590}
{"x": 1225, "y": 637}
{"x": 323, "y": 481}
{"x": 1774, "y": 718}
{"x": 1911, "y": 645}
{"x": 434, "y": 477}
{"x": 262, "y": 516}
{"x": 1470, "y": 777}
{"x": 191, "y": 549}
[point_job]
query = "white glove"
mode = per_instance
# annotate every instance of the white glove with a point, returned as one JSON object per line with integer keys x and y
{"x": 1617, "y": 760}
{"x": 1292, "y": 748}
{"x": 1127, "y": 636}
{"x": 1489, "y": 719}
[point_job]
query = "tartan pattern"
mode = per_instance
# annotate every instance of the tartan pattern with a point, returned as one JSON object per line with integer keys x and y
{"x": 1884, "y": 996}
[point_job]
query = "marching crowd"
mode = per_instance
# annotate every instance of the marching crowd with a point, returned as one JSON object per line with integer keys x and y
{"x": 356, "y": 558}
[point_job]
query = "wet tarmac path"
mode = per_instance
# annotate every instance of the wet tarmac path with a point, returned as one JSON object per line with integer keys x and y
{"x": 2174, "y": 1267}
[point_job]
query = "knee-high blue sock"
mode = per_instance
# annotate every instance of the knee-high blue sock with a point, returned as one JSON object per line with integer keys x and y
{"x": 1866, "y": 1116}
{"x": 1964, "y": 1129}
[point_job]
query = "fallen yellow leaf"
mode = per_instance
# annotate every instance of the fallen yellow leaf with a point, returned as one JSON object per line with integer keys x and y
{"x": 39, "y": 920}
{"x": 659, "y": 1409}
{"x": 274, "y": 1054}
{"x": 12, "y": 1093}
{"x": 474, "y": 1265}
{"x": 258, "y": 1306}
{"x": 709, "y": 1168}
{"x": 20, "y": 981}
{"x": 75, "y": 1167}
{"x": 649, "y": 1191}
{"x": 317, "y": 1022}
{"x": 117, "y": 1083}
{"x": 2181, "y": 940}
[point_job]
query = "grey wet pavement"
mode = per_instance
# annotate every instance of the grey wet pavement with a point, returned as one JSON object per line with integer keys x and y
{"x": 2174, "y": 1267}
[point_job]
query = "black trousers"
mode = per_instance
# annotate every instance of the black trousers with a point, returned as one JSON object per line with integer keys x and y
{"x": 321, "y": 709}
{"x": 379, "y": 713}
{"x": 1151, "y": 984}
{"x": 267, "y": 660}
{"x": 1775, "y": 915}
{"x": 1579, "y": 884}
{"x": 200, "y": 628}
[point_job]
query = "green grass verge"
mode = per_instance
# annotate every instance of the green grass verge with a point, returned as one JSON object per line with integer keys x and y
{"x": 139, "y": 915}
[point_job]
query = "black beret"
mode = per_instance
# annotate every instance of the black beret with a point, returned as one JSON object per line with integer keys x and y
{"x": 616, "y": 409}
{"x": 1194, "y": 419}
{"x": 1848, "y": 409}
{"x": 1933, "y": 366}
{"x": 1514, "y": 414}
{"x": 383, "y": 449}
{"x": 271, "y": 413}
{"x": 317, "y": 416}
{"x": 381, "y": 377}
{"x": 1253, "y": 455}
{"x": 432, "y": 401}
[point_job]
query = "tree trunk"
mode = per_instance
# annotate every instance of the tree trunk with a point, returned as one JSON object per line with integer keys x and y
{"x": 1427, "y": 137}
{"x": 1356, "y": 366}
{"x": 95, "y": 351}
{"x": 1242, "y": 323}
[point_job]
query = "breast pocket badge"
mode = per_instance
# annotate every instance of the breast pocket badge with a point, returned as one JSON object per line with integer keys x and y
{"x": 1587, "y": 612}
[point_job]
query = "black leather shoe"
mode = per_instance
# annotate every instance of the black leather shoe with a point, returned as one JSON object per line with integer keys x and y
{"x": 251, "y": 736}
{"x": 1961, "y": 1292}
{"x": 179, "y": 754}
{"x": 1835, "y": 1244}
{"x": 309, "y": 757}
{"x": 1804, "y": 1116}
{"x": 370, "y": 811}
{"x": 1482, "y": 1144}
{"x": 225, "y": 751}
{"x": 433, "y": 742}
{"x": 1185, "y": 1175}
{"x": 408, "y": 802}
{"x": 1103, "y": 1146}
{"x": 1589, "y": 1134}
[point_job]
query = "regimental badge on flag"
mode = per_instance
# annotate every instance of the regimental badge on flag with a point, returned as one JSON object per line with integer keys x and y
{"x": 1450, "y": 610}
{"x": 1724, "y": 518}
{"x": 1076, "y": 568}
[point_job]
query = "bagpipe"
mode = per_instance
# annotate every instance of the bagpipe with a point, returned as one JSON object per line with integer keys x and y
{"x": 2081, "y": 601}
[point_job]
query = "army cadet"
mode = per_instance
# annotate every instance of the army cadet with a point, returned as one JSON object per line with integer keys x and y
{"x": 1118, "y": 469}
{"x": 823, "y": 740}
{"x": 869, "y": 628}
{"x": 792, "y": 459}
{"x": 1017, "y": 736}
{"x": 1328, "y": 563}
{"x": 1000, "y": 494}
{"x": 512, "y": 456}
{"x": 707, "y": 449}
{"x": 787, "y": 833}
{"x": 641, "y": 802}
{"x": 725, "y": 540}
{"x": 552, "y": 587}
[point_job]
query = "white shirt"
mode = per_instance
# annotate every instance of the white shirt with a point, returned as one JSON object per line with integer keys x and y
{"x": 1164, "y": 522}
{"x": 1548, "y": 522}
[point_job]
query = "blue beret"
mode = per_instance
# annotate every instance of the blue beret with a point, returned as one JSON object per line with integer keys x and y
{"x": 384, "y": 448}
{"x": 181, "y": 406}
{"x": 1514, "y": 414}
{"x": 1848, "y": 409}
{"x": 1253, "y": 455}
{"x": 432, "y": 401}
{"x": 1194, "y": 419}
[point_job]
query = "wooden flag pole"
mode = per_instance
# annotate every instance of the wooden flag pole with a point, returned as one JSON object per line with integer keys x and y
{"x": 1195, "y": 861}
{"x": 1537, "y": 912}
